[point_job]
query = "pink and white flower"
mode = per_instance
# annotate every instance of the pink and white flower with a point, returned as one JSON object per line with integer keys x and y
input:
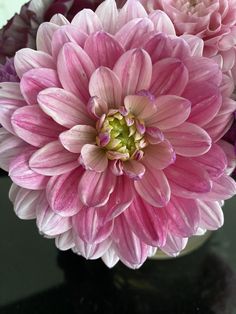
{"x": 109, "y": 138}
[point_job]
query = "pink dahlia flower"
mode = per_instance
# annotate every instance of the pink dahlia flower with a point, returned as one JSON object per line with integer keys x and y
{"x": 109, "y": 138}
{"x": 212, "y": 20}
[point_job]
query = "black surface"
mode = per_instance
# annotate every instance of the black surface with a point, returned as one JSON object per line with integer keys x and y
{"x": 35, "y": 278}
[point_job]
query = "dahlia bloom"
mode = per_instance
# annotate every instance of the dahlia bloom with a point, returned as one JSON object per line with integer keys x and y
{"x": 212, "y": 20}
{"x": 110, "y": 136}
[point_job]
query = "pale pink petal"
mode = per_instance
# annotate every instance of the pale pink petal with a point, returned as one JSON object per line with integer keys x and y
{"x": 66, "y": 34}
{"x": 97, "y": 107}
{"x": 108, "y": 15}
{"x": 183, "y": 216}
{"x": 44, "y": 36}
{"x": 95, "y": 187}
{"x": 105, "y": 84}
{"x": 62, "y": 193}
{"x": 189, "y": 140}
{"x": 134, "y": 169}
{"x": 36, "y": 80}
{"x": 162, "y": 22}
{"x": 22, "y": 174}
{"x": 10, "y": 100}
{"x": 110, "y": 257}
{"x": 27, "y": 59}
{"x": 74, "y": 70}
{"x": 74, "y": 139}
{"x": 230, "y": 155}
{"x": 180, "y": 49}
{"x": 140, "y": 106}
{"x": 174, "y": 245}
{"x": 65, "y": 241}
{"x": 63, "y": 107}
{"x": 87, "y": 21}
{"x": 147, "y": 222}
{"x": 171, "y": 111}
{"x": 154, "y": 187}
{"x": 211, "y": 215}
{"x": 188, "y": 179}
{"x": 90, "y": 251}
{"x": 103, "y": 49}
{"x": 49, "y": 223}
{"x": 59, "y": 19}
{"x": 170, "y": 76}
{"x": 195, "y": 43}
{"x": 131, "y": 35}
{"x": 159, "y": 156}
{"x": 128, "y": 247}
{"x": 53, "y": 159}
{"x": 134, "y": 69}
{"x": 158, "y": 47}
{"x": 89, "y": 225}
{"x": 94, "y": 158}
{"x": 132, "y": 9}
{"x": 36, "y": 128}
{"x": 25, "y": 203}
{"x": 10, "y": 146}
{"x": 214, "y": 161}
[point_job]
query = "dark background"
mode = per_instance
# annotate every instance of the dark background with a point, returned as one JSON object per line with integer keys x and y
{"x": 36, "y": 278}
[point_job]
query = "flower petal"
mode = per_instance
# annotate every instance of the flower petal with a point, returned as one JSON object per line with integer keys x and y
{"x": 133, "y": 169}
{"x": 211, "y": 215}
{"x": 44, "y": 36}
{"x": 91, "y": 251}
{"x": 95, "y": 187}
{"x": 110, "y": 257}
{"x": 162, "y": 22}
{"x": 132, "y": 9}
{"x": 108, "y": 15}
{"x": 158, "y": 47}
{"x": 134, "y": 69}
{"x": 65, "y": 241}
{"x": 105, "y": 84}
{"x": 63, "y": 107}
{"x": 53, "y": 159}
{"x": 74, "y": 69}
{"x": 94, "y": 158}
{"x": 174, "y": 245}
{"x": 74, "y": 139}
{"x": 140, "y": 106}
{"x": 87, "y": 21}
{"x": 189, "y": 140}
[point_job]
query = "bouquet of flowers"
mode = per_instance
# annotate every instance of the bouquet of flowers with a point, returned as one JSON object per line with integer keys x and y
{"x": 113, "y": 115}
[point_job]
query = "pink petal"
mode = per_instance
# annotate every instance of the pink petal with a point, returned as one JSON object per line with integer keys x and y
{"x": 94, "y": 158}
{"x": 22, "y": 174}
{"x": 154, "y": 187}
{"x": 134, "y": 169}
{"x": 174, "y": 245}
{"x": 229, "y": 152}
{"x": 170, "y": 76}
{"x": 189, "y": 140}
{"x": 211, "y": 215}
{"x": 129, "y": 248}
{"x": 10, "y": 100}
{"x": 74, "y": 69}
{"x": 195, "y": 43}
{"x": 162, "y": 22}
{"x": 140, "y": 106}
{"x": 180, "y": 49}
{"x": 74, "y": 139}
{"x": 110, "y": 257}
{"x": 131, "y": 35}
{"x": 10, "y": 147}
{"x": 147, "y": 222}
{"x": 105, "y": 84}
{"x": 49, "y": 223}
{"x": 65, "y": 241}
{"x": 63, "y": 107}
{"x": 159, "y": 156}
{"x": 44, "y": 36}
{"x": 59, "y": 19}
{"x": 36, "y": 80}
{"x": 89, "y": 226}
{"x": 53, "y": 160}
{"x": 183, "y": 216}
{"x": 214, "y": 161}
{"x": 62, "y": 193}
{"x": 95, "y": 187}
{"x": 91, "y": 251}
{"x": 134, "y": 69}
{"x": 97, "y": 107}
{"x": 171, "y": 111}
{"x": 103, "y": 49}
{"x": 158, "y": 47}
{"x": 66, "y": 34}
{"x": 27, "y": 59}
{"x": 132, "y": 9}
{"x": 87, "y": 21}
{"x": 32, "y": 125}
{"x": 108, "y": 15}
{"x": 25, "y": 203}
{"x": 206, "y": 101}
{"x": 187, "y": 179}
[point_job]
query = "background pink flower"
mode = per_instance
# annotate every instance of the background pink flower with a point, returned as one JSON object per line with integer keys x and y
{"x": 110, "y": 136}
